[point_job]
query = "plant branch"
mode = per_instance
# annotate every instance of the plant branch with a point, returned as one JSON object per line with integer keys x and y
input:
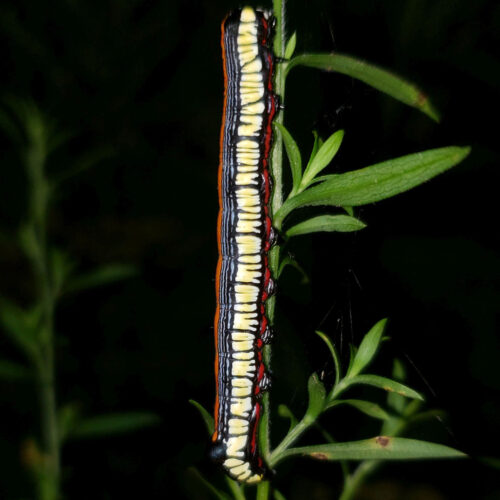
{"x": 276, "y": 202}
{"x": 39, "y": 193}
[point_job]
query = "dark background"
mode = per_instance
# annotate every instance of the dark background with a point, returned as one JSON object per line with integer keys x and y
{"x": 144, "y": 79}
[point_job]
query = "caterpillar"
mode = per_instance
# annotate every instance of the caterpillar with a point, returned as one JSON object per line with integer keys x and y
{"x": 245, "y": 235}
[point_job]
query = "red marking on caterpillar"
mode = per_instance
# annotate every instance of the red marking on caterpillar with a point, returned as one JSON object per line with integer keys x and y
{"x": 244, "y": 234}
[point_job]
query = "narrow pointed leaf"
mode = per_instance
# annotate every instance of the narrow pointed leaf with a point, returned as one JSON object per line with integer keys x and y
{"x": 101, "y": 276}
{"x": 67, "y": 417}
{"x": 352, "y": 354}
{"x": 13, "y": 371}
{"x": 334, "y": 354}
{"x": 285, "y": 412}
{"x": 22, "y": 326}
{"x": 322, "y": 178}
{"x": 323, "y": 157}
{"x": 378, "y": 448}
{"x": 367, "y": 348}
{"x": 378, "y": 78}
{"x": 278, "y": 495}
{"x": 61, "y": 267}
{"x": 376, "y": 182}
{"x": 117, "y": 423}
{"x": 89, "y": 160}
{"x": 290, "y": 46}
{"x": 394, "y": 400}
{"x": 492, "y": 462}
{"x": 367, "y": 407}
{"x": 290, "y": 261}
{"x": 316, "y": 145}
{"x": 386, "y": 384}
{"x": 317, "y": 396}
{"x": 293, "y": 153}
{"x": 205, "y": 415}
{"x": 196, "y": 474}
{"x": 326, "y": 223}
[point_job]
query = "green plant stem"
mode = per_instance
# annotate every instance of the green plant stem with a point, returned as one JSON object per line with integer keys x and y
{"x": 236, "y": 489}
{"x": 289, "y": 439}
{"x": 263, "y": 491}
{"x": 45, "y": 367}
{"x": 304, "y": 425}
{"x": 357, "y": 478}
{"x": 276, "y": 202}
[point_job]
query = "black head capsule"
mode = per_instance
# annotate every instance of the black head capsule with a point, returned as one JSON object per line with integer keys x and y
{"x": 217, "y": 452}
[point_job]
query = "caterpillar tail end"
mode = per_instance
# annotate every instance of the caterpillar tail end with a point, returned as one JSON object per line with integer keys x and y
{"x": 240, "y": 469}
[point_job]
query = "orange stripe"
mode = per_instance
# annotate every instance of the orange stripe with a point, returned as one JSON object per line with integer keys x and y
{"x": 219, "y": 245}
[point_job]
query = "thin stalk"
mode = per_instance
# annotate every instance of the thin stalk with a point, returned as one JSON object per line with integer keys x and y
{"x": 276, "y": 202}
{"x": 289, "y": 439}
{"x": 357, "y": 478}
{"x": 236, "y": 489}
{"x": 45, "y": 368}
{"x": 279, "y": 452}
{"x": 263, "y": 491}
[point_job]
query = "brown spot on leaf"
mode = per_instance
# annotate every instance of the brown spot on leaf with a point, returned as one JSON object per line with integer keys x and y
{"x": 421, "y": 99}
{"x": 383, "y": 441}
{"x": 319, "y": 456}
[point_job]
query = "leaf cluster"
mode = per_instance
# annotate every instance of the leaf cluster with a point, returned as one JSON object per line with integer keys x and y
{"x": 31, "y": 328}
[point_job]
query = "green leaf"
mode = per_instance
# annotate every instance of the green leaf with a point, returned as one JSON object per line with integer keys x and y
{"x": 322, "y": 158}
{"x": 349, "y": 211}
{"x": 492, "y": 462}
{"x": 207, "y": 484}
{"x": 101, "y": 276}
{"x": 285, "y": 412}
{"x": 88, "y": 160}
{"x": 290, "y": 46}
{"x": 317, "y": 395}
{"x": 205, "y": 415}
{"x": 318, "y": 142}
{"x": 367, "y": 407}
{"x": 394, "y": 400}
{"x": 22, "y": 326}
{"x": 376, "y": 182}
{"x": 334, "y": 354}
{"x": 294, "y": 158}
{"x": 384, "y": 383}
{"x": 67, "y": 417}
{"x": 367, "y": 348}
{"x": 352, "y": 354}
{"x": 290, "y": 261}
{"x": 117, "y": 423}
{"x": 236, "y": 488}
{"x": 377, "y": 448}
{"x": 277, "y": 495}
{"x": 13, "y": 371}
{"x": 29, "y": 243}
{"x": 378, "y": 78}
{"x": 326, "y": 223}
{"x": 61, "y": 267}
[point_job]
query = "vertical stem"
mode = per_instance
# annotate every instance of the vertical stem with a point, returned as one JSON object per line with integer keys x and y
{"x": 356, "y": 479}
{"x": 263, "y": 491}
{"x": 276, "y": 202}
{"x": 45, "y": 367}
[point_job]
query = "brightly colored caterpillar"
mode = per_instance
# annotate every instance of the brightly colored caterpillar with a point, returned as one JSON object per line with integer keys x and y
{"x": 245, "y": 235}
